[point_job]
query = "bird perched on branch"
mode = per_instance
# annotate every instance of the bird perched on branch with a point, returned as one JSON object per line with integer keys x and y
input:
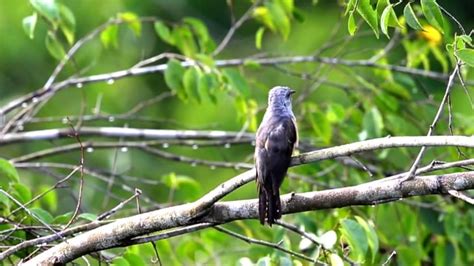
{"x": 276, "y": 137}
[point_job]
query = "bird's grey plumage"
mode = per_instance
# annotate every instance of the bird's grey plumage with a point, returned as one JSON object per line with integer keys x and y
{"x": 276, "y": 137}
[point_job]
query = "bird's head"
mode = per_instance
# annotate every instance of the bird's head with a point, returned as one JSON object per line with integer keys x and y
{"x": 280, "y": 97}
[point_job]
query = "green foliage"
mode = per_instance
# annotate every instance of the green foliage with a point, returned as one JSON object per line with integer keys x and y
{"x": 164, "y": 32}
{"x": 369, "y": 14}
{"x": 48, "y": 9}
{"x": 67, "y": 23}
{"x": 411, "y": 18}
{"x": 8, "y": 174}
{"x": 433, "y": 13}
{"x": 356, "y": 237}
{"x": 173, "y": 78}
{"x": 87, "y": 216}
{"x": 29, "y": 24}
{"x": 109, "y": 36}
{"x": 467, "y": 56}
{"x": 132, "y": 21}
{"x": 372, "y": 124}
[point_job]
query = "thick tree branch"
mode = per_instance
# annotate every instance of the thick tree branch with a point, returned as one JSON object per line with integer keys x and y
{"x": 120, "y": 132}
{"x": 376, "y": 192}
{"x": 165, "y": 134}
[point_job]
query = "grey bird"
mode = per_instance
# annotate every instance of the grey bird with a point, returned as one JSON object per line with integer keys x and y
{"x": 276, "y": 138}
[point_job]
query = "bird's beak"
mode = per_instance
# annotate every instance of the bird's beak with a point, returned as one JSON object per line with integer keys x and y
{"x": 292, "y": 92}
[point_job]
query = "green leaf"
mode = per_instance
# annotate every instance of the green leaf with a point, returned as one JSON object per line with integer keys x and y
{"x": 134, "y": 259}
{"x": 259, "y": 37}
{"x": 386, "y": 101}
{"x": 206, "y": 60}
{"x": 163, "y": 32}
{"x": 184, "y": 40}
{"x": 47, "y": 8}
{"x": 87, "y": 216}
{"x": 173, "y": 78}
{"x": 373, "y": 123}
{"x": 397, "y": 89}
{"x": 287, "y": 5}
{"x": 208, "y": 85}
{"x": 467, "y": 56}
{"x": 120, "y": 261}
{"x": 354, "y": 233}
{"x": 191, "y": 83}
{"x": 63, "y": 218}
{"x": 236, "y": 81}
{"x": 466, "y": 38}
{"x": 350, "y": 6}
{"x": 381, "y": 4}
{"x": 369, "y": 15}
{"x": 132, "y": 20}
{"x": 206, "y": 44}
{"x": 411, "y": 18}
{"x": 22, "y": 192}
{"x": 44, "y": 215}
{"x": 67, "y": 23}
{"x": 372, "y": 238}
{"x": 8, "y": 174}
{"x": 29, "y": 25}
{"x": 279, "y": 19}
{"x": 188, "y": 188}
{"x": 109, "y": 36}
{"x": 170, "y": 180}
{"x": 50, "y": 199}
{"x": 335, "y": 113}
{"x": 384, "y": 19}
{"x": 54, "y": 47}
{"x": 4, "y": 204}
{"x": 351, "y": 24}
{"x": 433, "y": 14}
{"x": 262, "y": 14}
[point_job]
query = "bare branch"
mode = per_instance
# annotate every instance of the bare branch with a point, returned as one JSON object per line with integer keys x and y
{"x": 234, "y": 27}
{"x": 414, "y": 166}
{"x": 117, "y": 132}
{"x": 371, "y": 193}
{"x": 462, "y": 196}
{"x": 267, "y": 244}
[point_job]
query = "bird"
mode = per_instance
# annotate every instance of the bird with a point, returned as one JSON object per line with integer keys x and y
{"x": 276, "y": 138}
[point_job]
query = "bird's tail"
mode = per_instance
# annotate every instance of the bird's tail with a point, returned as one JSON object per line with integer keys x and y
{"x": 269, "y": 206}
{"x": 262, "y": 204}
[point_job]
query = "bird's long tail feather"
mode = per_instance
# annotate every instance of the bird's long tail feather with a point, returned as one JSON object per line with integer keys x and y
{"x": 269, "y": 206}
{"x": 262, "y": 205}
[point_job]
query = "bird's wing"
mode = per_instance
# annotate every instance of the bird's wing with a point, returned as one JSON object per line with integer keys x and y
{"x": 275, "y": 143}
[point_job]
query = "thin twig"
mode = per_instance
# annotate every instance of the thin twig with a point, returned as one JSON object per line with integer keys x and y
{"x": 81, "y": 180}
{"x": 110, "y": 212}
{"x": 50, "y": 238}
{"x": 37, "y": 197}
{"x": 234, "y": 27}
{"x": 411, "y": 172}
{"x": 462, "y": 196}
{"x": 29, "y": 212}
{"x": 267, "y": 244}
